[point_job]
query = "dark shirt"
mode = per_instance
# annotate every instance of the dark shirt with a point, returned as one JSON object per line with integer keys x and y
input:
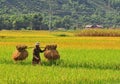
{"x": 36, "y": 51}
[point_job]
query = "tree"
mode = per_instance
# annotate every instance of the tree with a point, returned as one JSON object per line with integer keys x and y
{"x": 36, "y": 21}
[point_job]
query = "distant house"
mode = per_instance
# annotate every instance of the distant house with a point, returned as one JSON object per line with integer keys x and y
{"x": 88, "y": 26}
{"x": 93, "y": 26}
{"x": 61, "y": 29}
{"x": 99, "y": 26}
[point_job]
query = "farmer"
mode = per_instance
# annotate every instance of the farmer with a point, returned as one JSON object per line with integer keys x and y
{"x": 36, "y": 57}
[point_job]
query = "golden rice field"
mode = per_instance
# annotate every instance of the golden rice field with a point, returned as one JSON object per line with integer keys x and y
{"x": 84, "y": 60}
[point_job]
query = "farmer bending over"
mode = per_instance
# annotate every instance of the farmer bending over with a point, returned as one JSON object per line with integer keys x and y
{"x": 36, "y": 57}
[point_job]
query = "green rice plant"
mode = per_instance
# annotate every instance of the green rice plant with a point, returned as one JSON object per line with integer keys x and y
{"x": 75, "y": 66}
{"x": 83, "y": 60}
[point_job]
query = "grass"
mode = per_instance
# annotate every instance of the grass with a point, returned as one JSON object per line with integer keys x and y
{"x": 27, "y": 74}
{"x": 84, "y": 60}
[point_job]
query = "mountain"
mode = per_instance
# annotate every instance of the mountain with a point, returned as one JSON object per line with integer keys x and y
{"x": 31, "y": 6}
{"x": 105, "y": 12}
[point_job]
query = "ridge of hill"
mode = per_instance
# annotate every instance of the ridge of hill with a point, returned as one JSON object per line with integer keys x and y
{"x": 68, "y": 14}
{"x": 32, "y": 6}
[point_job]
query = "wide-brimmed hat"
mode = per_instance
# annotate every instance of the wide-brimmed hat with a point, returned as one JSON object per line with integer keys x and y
{"x": 37, "y": 43}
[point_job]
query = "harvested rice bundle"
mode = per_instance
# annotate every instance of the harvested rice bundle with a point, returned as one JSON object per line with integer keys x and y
{"x": 21, "y": 47}
{"x": 21, "y": 53}
{"x": 51, "y": 53}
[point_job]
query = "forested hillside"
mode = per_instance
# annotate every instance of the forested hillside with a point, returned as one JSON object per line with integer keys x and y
{"x": 69, "y": 14}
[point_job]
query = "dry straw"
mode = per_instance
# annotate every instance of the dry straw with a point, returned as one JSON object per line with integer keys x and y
{"x": 51, "y": 53}
{"x": 99, "y": 32}
{"x": 21, "y": 53}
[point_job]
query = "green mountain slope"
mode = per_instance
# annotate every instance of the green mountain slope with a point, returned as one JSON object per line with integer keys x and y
{"x": 62, "y": 13}
{"x": 31, "y": 6}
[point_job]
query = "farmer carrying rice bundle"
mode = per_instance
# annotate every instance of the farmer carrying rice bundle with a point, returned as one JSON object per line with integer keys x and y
{"x": 51, "y": 53}
{"x": 36, "y": 56}
{"x": 21, "y": 53}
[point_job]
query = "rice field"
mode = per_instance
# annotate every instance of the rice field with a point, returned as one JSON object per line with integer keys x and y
{"x": 84, "y": 60}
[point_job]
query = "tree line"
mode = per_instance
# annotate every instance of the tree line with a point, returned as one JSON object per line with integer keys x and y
{"x": 53, "y": 14}
{"x": 39, "y": 21}
{"x": 22, "y": 21}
